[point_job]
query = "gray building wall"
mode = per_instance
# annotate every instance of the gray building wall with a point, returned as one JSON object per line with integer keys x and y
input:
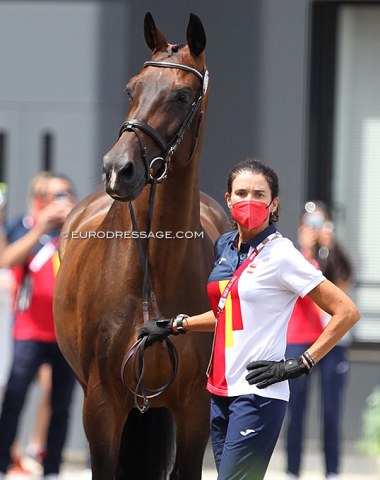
{"x": 60, "y": 74}
{"x": 65, "y": 64}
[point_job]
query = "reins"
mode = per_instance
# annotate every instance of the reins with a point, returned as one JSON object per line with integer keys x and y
{"x": 147, "y": 285}
{"x": 135, "y": 355}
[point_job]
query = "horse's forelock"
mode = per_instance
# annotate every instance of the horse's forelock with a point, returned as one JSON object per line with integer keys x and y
{"x": 178, "y": 46}
{"x": 183, "y": 53}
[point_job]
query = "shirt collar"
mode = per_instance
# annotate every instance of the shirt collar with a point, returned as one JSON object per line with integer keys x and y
{"x": 255, "y": 241}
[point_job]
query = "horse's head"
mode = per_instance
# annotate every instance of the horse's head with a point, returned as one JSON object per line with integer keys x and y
{"x": 167, "y": 99}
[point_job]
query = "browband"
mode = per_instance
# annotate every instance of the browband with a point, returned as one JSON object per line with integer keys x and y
{"x": 174, "y": 65}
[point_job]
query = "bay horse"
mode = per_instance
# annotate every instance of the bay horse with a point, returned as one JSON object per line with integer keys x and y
{"x": 99, "y": 288}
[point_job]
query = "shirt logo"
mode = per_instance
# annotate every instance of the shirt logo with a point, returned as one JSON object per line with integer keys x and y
{"x": 247, "y": 432}
{"x": 221, "y": 260}
{"x": 251, "y": 268}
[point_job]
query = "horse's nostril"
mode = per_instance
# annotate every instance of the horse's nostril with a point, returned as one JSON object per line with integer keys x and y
{"x": 106, "y": 174}
{"x": 128, "y": 170}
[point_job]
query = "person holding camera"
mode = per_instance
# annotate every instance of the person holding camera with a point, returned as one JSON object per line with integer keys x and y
{"x": 31, "y": 250}
{"x": 318, "y": 244}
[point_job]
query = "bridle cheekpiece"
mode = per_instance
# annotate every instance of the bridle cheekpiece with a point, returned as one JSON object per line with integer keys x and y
{"x": 167, "y": 148}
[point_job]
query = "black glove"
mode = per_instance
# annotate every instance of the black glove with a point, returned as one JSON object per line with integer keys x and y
{"x": 156, "y": 331}
{"x": 264, "y": 373}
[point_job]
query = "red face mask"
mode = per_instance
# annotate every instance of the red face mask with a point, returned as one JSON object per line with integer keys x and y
{"x": 250, "y": 213}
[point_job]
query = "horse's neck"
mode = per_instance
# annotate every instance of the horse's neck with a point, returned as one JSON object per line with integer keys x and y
{"x": 176, "y": 204}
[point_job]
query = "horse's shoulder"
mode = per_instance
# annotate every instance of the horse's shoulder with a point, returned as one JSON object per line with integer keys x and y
{"x": 86, "y": 215}
{"x": 213, "y": 217}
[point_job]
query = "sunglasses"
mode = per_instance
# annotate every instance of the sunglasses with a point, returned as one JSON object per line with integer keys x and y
{"x": 63, "y": 194}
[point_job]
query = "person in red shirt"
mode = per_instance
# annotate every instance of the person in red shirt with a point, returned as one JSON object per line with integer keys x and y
{"x": 319, "y": 245}
{"x": 32, "y": 253}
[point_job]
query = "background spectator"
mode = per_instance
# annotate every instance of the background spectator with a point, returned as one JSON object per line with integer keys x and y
{"x": 31, "y": 251}
{"x": 319, "y": 245}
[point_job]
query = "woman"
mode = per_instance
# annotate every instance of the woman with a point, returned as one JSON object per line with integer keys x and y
{"x": 257, "y": 277}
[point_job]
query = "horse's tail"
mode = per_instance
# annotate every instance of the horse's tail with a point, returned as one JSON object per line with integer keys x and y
{"x": 147, "y": 449}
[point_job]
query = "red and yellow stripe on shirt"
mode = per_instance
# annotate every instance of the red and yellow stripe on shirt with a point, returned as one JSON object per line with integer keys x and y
{"x": 229, "y": 320}
{"x": 232, "y": 312}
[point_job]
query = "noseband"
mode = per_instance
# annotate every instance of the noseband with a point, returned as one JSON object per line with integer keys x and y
{"x": 167, "y": 148}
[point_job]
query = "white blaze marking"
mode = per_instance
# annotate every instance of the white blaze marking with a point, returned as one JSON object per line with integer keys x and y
{"x": 113, "y": 179}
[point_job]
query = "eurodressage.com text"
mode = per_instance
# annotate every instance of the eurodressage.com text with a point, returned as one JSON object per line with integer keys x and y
{"x": 110, "y": 235}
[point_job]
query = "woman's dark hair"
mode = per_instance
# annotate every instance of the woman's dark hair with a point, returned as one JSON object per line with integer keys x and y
{"x": 255, "y": 166}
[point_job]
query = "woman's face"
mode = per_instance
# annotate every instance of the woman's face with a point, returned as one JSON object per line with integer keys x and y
{"x": 250, "y": 186}
{"x": 52, "y": 190}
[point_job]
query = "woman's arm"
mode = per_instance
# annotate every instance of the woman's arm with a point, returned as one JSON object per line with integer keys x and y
{"x": 205, "y": 322}
{"x": 18, "y": 252}
{"x": 344, "y": 314}
{"x": 50, "y": 217}
{"x": 160, "y": 329}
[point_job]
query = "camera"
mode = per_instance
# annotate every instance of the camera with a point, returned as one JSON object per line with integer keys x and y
{"x": 314, "y": 220}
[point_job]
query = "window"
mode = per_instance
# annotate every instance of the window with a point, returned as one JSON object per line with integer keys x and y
{"x": 344, "y": 140}
{"x": 356, "y": 155}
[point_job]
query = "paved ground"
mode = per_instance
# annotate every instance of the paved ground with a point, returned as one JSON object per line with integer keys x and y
{"x": 355, "y": 467}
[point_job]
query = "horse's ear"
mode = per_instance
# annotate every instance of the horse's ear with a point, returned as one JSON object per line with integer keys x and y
{"x": 154, "y": 38}
{"x": 196, "y": 37}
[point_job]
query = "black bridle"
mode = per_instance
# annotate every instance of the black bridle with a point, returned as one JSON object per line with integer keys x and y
{"x": 167, "y": 148}
{"x": 136, "y": 352}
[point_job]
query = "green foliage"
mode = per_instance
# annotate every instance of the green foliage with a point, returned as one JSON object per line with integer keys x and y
{"x": 369, "y": 441}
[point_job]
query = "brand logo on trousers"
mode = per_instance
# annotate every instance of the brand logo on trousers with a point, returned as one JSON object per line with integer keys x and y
{"x": 247, "y": 432}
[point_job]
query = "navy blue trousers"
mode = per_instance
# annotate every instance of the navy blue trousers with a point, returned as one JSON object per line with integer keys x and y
{"x": 27, "y": 358}
{"x": 332, "y": 370}
{"x": 244, "y": 432}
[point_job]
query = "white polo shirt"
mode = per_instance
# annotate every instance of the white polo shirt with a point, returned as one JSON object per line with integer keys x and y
{"x": 254, "y": 321}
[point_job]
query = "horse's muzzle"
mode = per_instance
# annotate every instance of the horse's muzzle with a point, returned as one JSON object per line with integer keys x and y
{"x": 123, "y": 184}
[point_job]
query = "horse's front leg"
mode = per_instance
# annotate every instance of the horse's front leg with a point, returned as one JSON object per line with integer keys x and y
{"x": 192, "y": 421}
{"x": 103, "y": 433}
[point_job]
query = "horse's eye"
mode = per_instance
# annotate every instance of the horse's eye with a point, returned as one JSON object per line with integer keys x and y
{"x": 182, "y": 97}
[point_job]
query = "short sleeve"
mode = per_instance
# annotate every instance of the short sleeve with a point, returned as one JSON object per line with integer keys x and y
{"x": 296, "y": 273}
